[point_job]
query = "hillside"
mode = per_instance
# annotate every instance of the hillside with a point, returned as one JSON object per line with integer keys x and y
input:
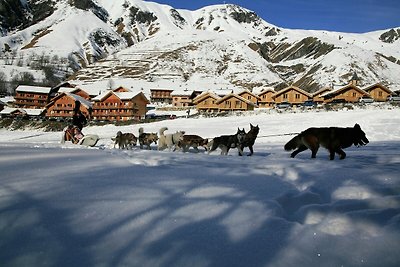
{"x": 222, "y": 46}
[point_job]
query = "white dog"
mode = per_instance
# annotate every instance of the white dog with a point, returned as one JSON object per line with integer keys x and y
{"x": 169, "y": 140}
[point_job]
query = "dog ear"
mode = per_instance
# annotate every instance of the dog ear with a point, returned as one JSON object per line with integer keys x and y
{"x": 357, "y": 126}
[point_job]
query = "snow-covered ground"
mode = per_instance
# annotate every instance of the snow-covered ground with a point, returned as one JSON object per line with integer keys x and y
{"x": 66, "y": 205}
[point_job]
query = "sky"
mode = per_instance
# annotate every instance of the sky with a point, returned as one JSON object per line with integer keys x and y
{"x": 353, "y": 16}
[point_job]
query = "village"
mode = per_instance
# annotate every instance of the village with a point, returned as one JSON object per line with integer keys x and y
{"x": 127, "y": 105}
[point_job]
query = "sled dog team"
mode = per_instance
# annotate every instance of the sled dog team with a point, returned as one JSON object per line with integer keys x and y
{"x": 334, "y": 139}
{"x": 182, "y": 141}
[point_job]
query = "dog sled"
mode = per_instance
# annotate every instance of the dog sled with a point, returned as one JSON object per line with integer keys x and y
{"x": 73, "y": 134}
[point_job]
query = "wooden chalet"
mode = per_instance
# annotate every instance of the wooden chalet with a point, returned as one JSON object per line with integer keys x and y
{"x": 234, "y": 102}
{"x": 378, "y": 92}
{"x": 62, "y": 106}
{"x": 119, "y": 106}
{"x": 266, "y": 98}
{"x": 31, "y": 97}
{"x": 318, "y": 95}
{"x": 161, "y": 95}
{"x": 246, "y": 94}
{"x": 182, "y": 98}
{"x": 206, "y": 102}
{"x": 349, "y": 93}
{"x": 292, "y": 94}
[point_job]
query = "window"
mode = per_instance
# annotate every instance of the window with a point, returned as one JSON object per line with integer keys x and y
{"x": 297, "y": 96}
{"x": 285, "y": 96}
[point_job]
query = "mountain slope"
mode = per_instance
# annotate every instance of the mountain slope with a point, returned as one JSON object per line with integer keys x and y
{"x": 221, "y": 45}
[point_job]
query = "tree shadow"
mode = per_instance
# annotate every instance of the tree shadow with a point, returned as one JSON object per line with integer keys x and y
{"x": 180, "y": 211}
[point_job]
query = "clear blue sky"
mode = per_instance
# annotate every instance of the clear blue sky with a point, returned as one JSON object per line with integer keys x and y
{"x": 355, "y": 16}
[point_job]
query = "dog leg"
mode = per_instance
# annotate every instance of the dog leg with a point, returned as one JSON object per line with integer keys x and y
{"x": 314, "y": 152}
{"x": 211, "y": 146}
{"x": 300, "y": 149}
{"x": 240, "y": 150}
{"x": 341, "y": 153}
{"x": 251, "y": 151}
{"x": 224, "y": 151}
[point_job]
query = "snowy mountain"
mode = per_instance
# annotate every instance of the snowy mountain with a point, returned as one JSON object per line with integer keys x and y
{"x": 219, "y": 46}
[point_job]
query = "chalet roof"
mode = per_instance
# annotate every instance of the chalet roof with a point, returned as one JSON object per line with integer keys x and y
{"x": 130, "y": 95}
{"x": 344, "y": 88}
{"x": 245, "y": 91}
{"x": 292, "y": 87}
{"x": 204, "y": 95}
{"x": 33, "y": 89}
{"x": 322, "y": 90}
{"x": 223, "y": 92}
{"x": 68, "y": 89}
{"x": 266, "y": 90}
{"x": 27, "y": 111}
{"x": 237, "y": 97}
{"x": 182, "y": 93}
{"x": 102, "y": 95}
{"x": 120, "y": 95}
{"x": 126, "y": 95}
{"x": 369, "y": 88}
{"x": 8, "y": 99}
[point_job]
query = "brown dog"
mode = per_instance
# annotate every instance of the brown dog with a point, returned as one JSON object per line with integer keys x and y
{"x": 125, "y": 140}
{"x": 146, "y": 139}
{"x": 192, "y": 140}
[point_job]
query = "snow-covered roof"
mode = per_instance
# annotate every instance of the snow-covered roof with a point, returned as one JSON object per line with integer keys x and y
{"x": 126, "y": 95}
{"x": 33, "y": 89}
{"x": 120, "y": 95}
{"x": 101, "y": 96}
{"x": 261, "y": 90}
{"x": 67, "y": 89}
{"x": 28, "y": 111}
{"x": 182, "y": 93}
{"x": 7, "y": 99}
{"x": 337, "y": 90}
{"x": 33, "y": 111}
{"x": 83, "y": 101}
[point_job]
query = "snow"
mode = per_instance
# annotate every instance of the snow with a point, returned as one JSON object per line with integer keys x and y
{"x": 28, "y": 88}
{"x": 66, "y": 205}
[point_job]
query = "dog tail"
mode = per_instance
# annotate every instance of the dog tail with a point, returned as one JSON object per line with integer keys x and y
{"x": 293, "y": 143}
{"x": 141, "y": 130}
{"x": 162, "y": 130}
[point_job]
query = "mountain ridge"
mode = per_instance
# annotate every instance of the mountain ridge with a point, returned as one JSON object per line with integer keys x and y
{"x": 222, "y": 45}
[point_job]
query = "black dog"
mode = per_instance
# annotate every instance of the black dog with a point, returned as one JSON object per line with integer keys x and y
{"x": 226, "y": 142}
{"x": 250, "y": 139}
